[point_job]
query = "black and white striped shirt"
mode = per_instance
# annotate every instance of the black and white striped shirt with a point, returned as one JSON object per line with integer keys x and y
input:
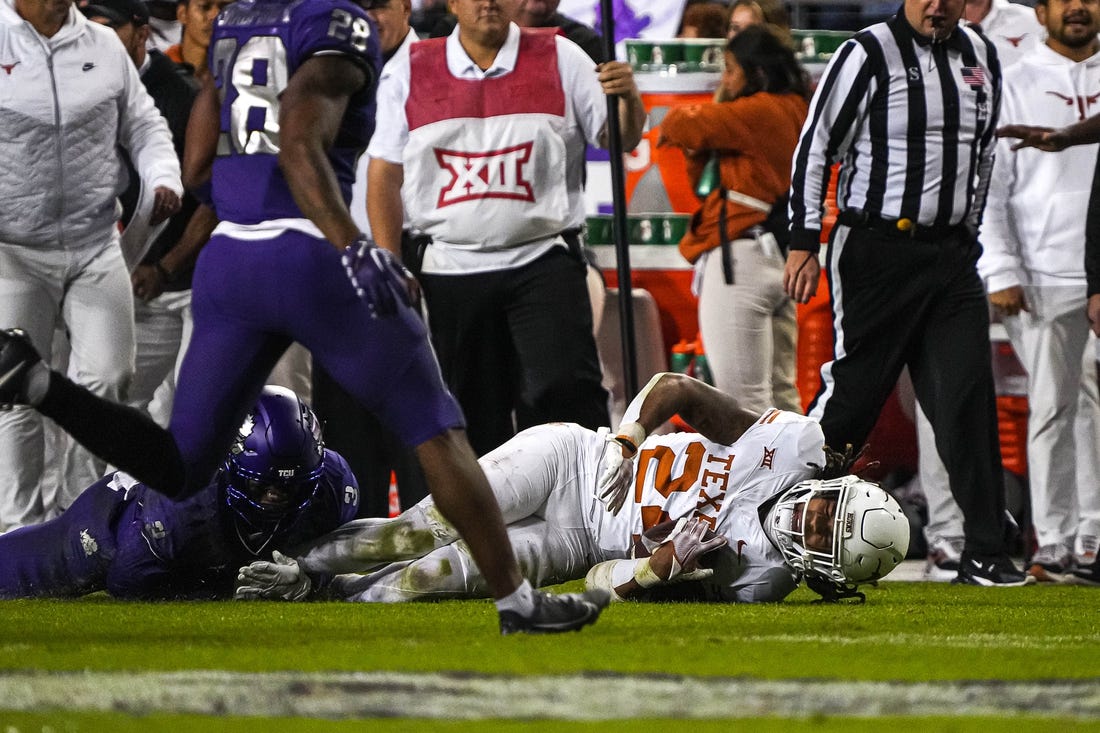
{"x": 911, "y": 122}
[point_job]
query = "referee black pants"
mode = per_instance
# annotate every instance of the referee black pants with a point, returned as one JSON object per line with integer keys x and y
{"x": 516, "y": 347}
{"x": 899, "y": 301}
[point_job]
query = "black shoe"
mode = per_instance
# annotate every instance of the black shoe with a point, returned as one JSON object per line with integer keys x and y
{"x": 554, "y": 614}
{"x": 991, "y": 571}
{"x": 17, "y": 356}
{"x": 1084, "y": 574}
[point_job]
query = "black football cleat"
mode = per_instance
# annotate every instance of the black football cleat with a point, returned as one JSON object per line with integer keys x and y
{"x": 991, "y": 571}
{"x": 556, "y": 613}
{"x": 17, "y": 356}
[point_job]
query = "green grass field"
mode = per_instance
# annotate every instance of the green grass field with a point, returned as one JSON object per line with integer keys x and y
{"x": 916, "y": 656}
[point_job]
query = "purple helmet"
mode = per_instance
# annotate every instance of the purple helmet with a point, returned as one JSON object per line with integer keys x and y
{"x": 275, "y": 464}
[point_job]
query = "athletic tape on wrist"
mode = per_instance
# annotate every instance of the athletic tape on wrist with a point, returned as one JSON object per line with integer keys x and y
{"x": 644, "y": 575}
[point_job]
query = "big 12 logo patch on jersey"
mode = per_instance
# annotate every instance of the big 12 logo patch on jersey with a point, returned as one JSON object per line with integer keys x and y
{"x": 496, "y": 174}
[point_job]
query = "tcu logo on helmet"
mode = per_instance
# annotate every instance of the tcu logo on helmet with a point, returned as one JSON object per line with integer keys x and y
{"x": 246, "y": 429}
{"x": 495, "y": 174}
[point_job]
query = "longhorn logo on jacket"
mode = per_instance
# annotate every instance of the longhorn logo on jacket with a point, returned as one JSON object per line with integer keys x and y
{"x": 1083, "y": 102}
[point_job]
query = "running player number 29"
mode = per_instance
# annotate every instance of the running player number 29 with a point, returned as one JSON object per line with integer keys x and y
{"x": 258, "y": 72}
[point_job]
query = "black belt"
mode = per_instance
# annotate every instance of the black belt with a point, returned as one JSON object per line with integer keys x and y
{"x": 572, "y": 239}
{"x": 901, "y": 228}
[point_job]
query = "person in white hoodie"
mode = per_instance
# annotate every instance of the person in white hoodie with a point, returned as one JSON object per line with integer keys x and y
{"x": 1015, "y": 32}
{"x": 69, "y": 98}
{"x": 1033, "y": 267}
{"x": 1011, "y": 26}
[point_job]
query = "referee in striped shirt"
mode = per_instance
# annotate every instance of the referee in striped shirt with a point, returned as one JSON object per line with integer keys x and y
{"x": 908, "y": 108}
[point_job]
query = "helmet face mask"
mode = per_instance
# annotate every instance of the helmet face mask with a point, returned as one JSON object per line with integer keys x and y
{"x": 275, "y": 464}
{"x": 846, "y": 531}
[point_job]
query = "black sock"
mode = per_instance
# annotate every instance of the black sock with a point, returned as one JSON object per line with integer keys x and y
{"x": 121, "y": 435}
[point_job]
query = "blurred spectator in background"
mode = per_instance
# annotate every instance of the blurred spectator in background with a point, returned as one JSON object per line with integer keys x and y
{"x": 1033, "y": 265}
{"x": 544, "y": 14}
{"x": 196, "y": 18}
{"x": 771, "y": 13}
{"x": 76, "y": 93}
{"x": 425, "y": 17}
{"x": 1012, "y": 27}
{"x": 394, "y": 32}
{"x": 703, "y": 20}
{"x": 164, "y": 26}
{"x": 738, "y": 237}
{"x": 541, "y": 14}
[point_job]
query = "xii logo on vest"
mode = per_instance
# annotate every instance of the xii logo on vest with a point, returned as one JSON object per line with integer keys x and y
{"x": 493, "y": 174}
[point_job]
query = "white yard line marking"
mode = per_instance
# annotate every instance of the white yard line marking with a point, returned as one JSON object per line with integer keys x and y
{"x": 566, "y": 697}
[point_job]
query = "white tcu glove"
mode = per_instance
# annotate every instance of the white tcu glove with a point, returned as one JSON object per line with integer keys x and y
{"x": 281, "y": 579}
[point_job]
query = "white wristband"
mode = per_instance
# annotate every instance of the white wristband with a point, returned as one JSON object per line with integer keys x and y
{"x": 632, "y": 435}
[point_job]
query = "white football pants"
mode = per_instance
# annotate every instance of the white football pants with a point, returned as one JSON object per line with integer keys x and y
{"x": 89, "y": 290}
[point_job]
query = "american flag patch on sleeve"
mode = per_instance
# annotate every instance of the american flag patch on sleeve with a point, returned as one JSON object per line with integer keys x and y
{"x": 973, "y": 76}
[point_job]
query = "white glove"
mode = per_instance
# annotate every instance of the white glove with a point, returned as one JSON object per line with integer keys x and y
{"x": 687, "y": 542}
{"x": 613, "y": 486}
{"x": 281, "y": 579}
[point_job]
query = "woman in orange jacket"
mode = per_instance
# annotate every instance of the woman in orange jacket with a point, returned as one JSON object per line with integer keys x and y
{"x": 737, "y": 237}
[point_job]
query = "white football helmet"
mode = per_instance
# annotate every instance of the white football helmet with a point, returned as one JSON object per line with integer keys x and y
{"x": 869, "y": 532}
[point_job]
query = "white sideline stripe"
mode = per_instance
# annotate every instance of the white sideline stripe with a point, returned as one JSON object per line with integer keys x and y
{"x": 990, "y": 642}
{"x": 566, "y": 697}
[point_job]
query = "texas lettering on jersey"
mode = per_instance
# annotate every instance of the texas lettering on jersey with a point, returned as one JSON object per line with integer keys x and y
{"x": 680, "y": 475}
{"x": 496, "y": 174}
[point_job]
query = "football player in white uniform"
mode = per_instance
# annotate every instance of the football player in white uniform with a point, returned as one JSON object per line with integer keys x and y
{"x": 740, "y": 511}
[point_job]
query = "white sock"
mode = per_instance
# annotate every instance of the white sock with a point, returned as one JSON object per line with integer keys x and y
{"x": 521, "y": 600}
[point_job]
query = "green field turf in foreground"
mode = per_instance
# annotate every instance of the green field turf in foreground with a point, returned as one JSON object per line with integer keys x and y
{"x": 114, "y": 723}
{"x": 907, "y": 633}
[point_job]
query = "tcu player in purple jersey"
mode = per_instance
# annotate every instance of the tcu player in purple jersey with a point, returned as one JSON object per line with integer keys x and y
{"x": 277, "y": 489}
{"x": 738, "y": 512}
{"x": 275, "y": 133}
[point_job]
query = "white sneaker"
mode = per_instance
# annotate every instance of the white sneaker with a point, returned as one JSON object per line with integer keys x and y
{"x": 1085, "y": 549}
{"x": 1051, "y": 563}
{"x": 943, "y": 559}
{"x": 1087, "y": 568}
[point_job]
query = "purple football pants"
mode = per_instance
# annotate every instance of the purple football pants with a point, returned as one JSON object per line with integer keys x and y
{"x": 67, "y": 556}
{"x": 252, "y": 299}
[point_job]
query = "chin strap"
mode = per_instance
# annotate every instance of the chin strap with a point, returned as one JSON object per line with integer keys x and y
{"x": 832, "y": 591}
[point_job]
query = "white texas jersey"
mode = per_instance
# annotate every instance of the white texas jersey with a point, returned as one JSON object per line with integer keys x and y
{"x": 683, "y": 474}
